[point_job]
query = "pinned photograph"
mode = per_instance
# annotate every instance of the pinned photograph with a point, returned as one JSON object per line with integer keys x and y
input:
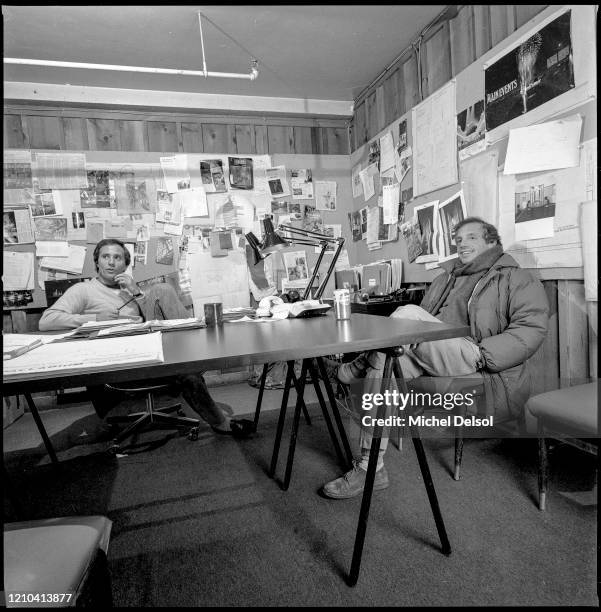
{"x": 164, "y": 254}
{"x": 212, "y": 176}
{"x": 427, "y": 220}
{"x": 296, "y": 266}
{"x": 450, "y": 212}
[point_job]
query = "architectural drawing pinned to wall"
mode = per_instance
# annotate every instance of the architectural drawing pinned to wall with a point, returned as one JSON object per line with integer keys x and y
{"x": 435, "y": 141}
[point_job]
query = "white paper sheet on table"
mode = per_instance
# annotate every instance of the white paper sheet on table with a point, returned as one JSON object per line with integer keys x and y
{"x": 98, "y": 354}
{"x": 545, "y": 146}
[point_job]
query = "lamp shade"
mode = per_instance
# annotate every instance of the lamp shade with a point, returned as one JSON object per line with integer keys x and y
{"x": 255, "y": 245}
{"x": 272, "y": 242}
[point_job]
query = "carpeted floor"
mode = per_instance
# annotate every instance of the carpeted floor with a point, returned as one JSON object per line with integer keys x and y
{"x": 201, "y": 524}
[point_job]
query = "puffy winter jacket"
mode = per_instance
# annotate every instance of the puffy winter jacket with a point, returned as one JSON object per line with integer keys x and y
{"x": 508, "y": 315}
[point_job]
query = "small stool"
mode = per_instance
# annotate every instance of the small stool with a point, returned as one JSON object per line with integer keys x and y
{"x": 57, "y": 556}
{"x": 569, "y": 415}
{"x": 138, "y": 420}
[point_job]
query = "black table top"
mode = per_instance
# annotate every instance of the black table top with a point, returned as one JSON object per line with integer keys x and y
{"x": 247, "y": 343}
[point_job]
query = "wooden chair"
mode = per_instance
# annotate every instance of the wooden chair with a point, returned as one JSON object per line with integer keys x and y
{"x": 569, "y": 415}
{"x": 61, "y": 556}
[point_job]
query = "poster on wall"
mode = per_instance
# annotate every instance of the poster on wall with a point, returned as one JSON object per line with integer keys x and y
{"x": 471, "y": 126}
{"x": 450, "y": 212}
{"x": 535, "y": 200}
{"x": 427, "y": 221}
{"x": 538, "y": 70}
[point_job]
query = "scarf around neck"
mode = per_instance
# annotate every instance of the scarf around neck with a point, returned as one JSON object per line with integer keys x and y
{"x": 454, "y": 299}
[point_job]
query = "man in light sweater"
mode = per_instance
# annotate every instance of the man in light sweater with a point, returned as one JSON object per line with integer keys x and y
{"x": 114, "y": 294}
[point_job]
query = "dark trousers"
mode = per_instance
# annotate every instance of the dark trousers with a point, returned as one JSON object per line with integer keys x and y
{"x": 191, "y": 386}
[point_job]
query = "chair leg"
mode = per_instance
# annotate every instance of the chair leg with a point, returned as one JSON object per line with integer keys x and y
{"x": 459, "y": 440}
{"x": 543, "y": 467}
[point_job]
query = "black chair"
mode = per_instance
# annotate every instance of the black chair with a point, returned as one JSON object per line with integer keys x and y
{"x": 139, "y": 420}
{"x": 472, "y": 384}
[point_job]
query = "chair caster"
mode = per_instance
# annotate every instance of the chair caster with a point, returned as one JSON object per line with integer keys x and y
{"x": 193, "y": 434}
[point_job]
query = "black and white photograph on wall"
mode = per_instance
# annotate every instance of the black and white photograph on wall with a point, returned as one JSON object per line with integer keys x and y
{"x": 427, "y": 219}
{"x": 44, "y": 204}
{"x": 241, "y": 172}
{"x": 402, "y": 136}
{"x": 535, "y": 205}
{"x": 212, "y": 176}
{"x": 79, "y": 220}
{"x": 355, "y": 223}
{"x": 296, "y": 265}
{"x": 50, "y": 228}
{"x": 536, "y": 71}
{"x": 279, "y": 207}
{"x": 374, "y": 153}
{"x": 164, "y": 254}
{"x": 450, "y": 213}
{"x": 11, "y": 235}
{"x": 471, "y": 127}
{"x": 15, "y": 299}
{"x": 413, "y": 238}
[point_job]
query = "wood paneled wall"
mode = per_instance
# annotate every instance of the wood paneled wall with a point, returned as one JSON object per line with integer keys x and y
{"x": 445, "y": 50}
{"x": 104, "y": 130}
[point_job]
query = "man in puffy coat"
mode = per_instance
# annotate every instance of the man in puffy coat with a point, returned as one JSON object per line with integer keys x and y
{"x": 507, "y": 311}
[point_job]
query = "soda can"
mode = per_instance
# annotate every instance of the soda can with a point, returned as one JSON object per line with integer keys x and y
{"x": 342, "y": 304}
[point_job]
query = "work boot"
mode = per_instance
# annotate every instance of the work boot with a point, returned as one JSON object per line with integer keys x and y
{"x": 353, "y": 483}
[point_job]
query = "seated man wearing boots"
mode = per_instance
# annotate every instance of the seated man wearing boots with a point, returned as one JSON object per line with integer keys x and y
{"x": 507, "y": 311}
{"x": 113, "y": 294}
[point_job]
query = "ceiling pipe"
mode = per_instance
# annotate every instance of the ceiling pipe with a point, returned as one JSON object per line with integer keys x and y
{"x": 251, "y": 76}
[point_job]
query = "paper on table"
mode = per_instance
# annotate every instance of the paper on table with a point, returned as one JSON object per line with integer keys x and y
{"x": 73, "y": 263}
{"x": 17, "y": 271}
{"x": 545, "y": 146}
{"x": 88, "y": 355}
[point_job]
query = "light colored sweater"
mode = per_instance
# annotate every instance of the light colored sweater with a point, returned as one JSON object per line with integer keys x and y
{"x": 83, "y": 301}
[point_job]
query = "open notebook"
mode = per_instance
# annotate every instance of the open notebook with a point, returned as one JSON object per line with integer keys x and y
{"x": 101, "y": 354}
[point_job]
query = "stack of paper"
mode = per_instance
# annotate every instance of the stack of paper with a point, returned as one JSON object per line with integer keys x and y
{"x": 87, "y": 355}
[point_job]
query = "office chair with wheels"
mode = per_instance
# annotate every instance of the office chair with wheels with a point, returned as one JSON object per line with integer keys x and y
{"x": 141, "y": 419}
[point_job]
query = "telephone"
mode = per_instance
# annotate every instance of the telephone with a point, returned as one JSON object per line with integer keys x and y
{"x": 265, "y": 305}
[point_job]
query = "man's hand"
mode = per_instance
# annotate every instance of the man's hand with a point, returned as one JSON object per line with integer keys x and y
{"x": 127, "y": 282}
{"x": 105, "y": 315}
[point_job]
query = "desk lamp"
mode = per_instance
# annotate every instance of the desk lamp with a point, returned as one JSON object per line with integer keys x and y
{"x": 273, "y": 242}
